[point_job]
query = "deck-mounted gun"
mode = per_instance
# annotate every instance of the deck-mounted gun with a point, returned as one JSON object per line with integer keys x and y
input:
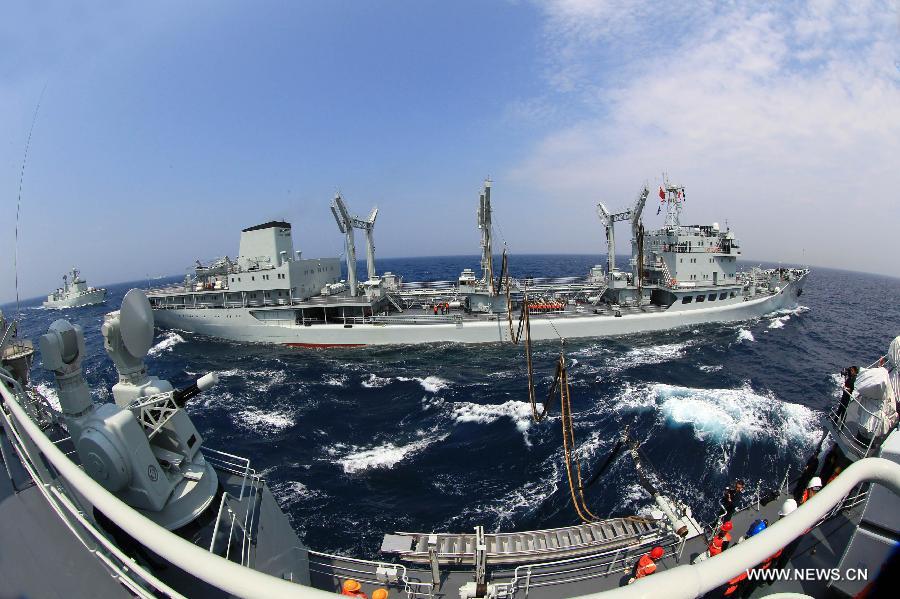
{"x": 144, "y": 448}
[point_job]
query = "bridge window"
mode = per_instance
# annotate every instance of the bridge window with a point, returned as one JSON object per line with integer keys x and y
{"x": 687, "y": 299}
{"x": 724, "y": 295}
{"x": 701, "y": 298}
{"x": 711, "y": 297}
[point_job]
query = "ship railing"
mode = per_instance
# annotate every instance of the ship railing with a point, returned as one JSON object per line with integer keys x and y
{"x": 238, "y": 514}
{"x": 851, "y": 435}
{"x": 421, "y": 319}
{"x": 369, "y": 572}
{"x": 586, "y": 567}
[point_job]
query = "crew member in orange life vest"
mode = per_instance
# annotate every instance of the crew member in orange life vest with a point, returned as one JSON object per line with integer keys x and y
{"x": 647, "y": 564}
{"x": 811, "y": 489}
{"x": 722, "y": 539}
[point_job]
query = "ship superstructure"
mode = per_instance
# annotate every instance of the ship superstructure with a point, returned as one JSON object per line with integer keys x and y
{"x": 679, "y": 275}
{"x": 75, "y": 293}
{"x": 206, "y": 524}
{"x": 676, "y": 262}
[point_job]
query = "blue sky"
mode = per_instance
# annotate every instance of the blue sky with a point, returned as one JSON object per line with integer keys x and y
{"x": 164, "y": 129}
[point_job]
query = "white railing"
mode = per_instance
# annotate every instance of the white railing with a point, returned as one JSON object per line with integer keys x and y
{"x": 362, "y": 571}
{"x": 694, "y": 580}
{"x": 595, "y": 565}
{"x": 230, "y": 506}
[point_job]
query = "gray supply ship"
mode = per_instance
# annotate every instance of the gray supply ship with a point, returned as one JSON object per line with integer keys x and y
{"x": 126, "y": 499}
{"x": 75, "y": 293}
{"x": 680, "y": 275}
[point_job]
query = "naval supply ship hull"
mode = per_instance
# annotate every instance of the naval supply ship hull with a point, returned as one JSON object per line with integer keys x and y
{"x": 90, "y": 298}
{"x": 279, "y": 324}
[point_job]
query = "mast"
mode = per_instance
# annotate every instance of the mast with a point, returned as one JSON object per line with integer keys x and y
{"x": 484, "y": 224}
{"x": 674, "y": 198}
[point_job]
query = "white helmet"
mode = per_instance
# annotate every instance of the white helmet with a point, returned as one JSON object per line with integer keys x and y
{"x": 787, "y": 507}
{"x": 815, "y": 483}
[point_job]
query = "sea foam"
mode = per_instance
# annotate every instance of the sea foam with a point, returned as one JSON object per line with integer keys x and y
{"x": 170, "y": 340}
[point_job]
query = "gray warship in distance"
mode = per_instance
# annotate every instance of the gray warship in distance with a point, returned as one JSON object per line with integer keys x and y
{"x": 75, "y": 293}
{"x": 125, "y": 499}
{"x": 679, "y": 275}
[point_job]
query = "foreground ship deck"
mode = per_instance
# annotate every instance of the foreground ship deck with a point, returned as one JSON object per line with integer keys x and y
{"x": 74, "y": 529}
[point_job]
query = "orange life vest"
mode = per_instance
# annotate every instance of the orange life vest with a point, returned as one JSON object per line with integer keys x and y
{"x": 734, "y": 583}
{"x": 646, "y": 566}
{"x": 359, "y": 594}
{"x": 715, "y": 548}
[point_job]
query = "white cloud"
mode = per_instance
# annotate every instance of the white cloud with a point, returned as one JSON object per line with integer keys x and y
{"x": 784, "y": 120}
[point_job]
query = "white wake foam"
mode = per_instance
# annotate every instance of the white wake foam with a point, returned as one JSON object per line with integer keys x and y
{"x": 263, "y": 421}
{"x": 374, "y": 382}
{"x": 386, "y": 455}
{"x": 170, "y": 340}
{"x": 730, "y": 415}
{"x": 649, "y": 355}
{"x": 261, "y": 380}
{"x": 710, "y": 367}
{"x": 779, "y": 321}
{"x": 339, "y": 380}
{"x": 49, "y": 393}
{"x": 432, "y": 384}
{"x": 744, "y": 335}
{"x": 518, "y": 411}
{"x": 725, "y": 417}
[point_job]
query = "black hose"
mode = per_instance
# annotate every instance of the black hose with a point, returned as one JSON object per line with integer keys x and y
{"x": 609, "y": 460}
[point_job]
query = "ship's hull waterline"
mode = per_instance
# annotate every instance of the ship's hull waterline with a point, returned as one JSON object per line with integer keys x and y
{"x": 238, "y": 324}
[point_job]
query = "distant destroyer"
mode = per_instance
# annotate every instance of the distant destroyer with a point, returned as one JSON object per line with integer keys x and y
{"x": 679, "y": 275}
{"x": 74, "y": 293}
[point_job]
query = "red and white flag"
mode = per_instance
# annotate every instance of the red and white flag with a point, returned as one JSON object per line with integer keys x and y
{"x": 662, "y": 194}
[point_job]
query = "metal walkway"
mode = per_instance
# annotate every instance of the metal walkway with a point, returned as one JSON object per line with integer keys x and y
{"x": 521, "y": 547}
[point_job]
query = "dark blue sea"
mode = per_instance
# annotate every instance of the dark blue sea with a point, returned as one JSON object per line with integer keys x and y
{"x": 358, "y": 443}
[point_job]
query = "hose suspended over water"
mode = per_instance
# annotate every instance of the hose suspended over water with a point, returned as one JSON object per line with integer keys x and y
{"x": 515, "y": 336}
{"x": 560, "y": 382}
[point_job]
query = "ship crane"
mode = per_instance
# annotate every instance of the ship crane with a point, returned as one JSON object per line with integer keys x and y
{"x": 347, "y": 223}
{"x": 609, "y": 219}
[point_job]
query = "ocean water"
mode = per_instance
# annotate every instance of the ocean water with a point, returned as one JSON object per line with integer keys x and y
{"x": 359, "y": 443}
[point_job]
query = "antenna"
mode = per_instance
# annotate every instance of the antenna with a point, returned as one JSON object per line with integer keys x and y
{"x": 19, "y": 199}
